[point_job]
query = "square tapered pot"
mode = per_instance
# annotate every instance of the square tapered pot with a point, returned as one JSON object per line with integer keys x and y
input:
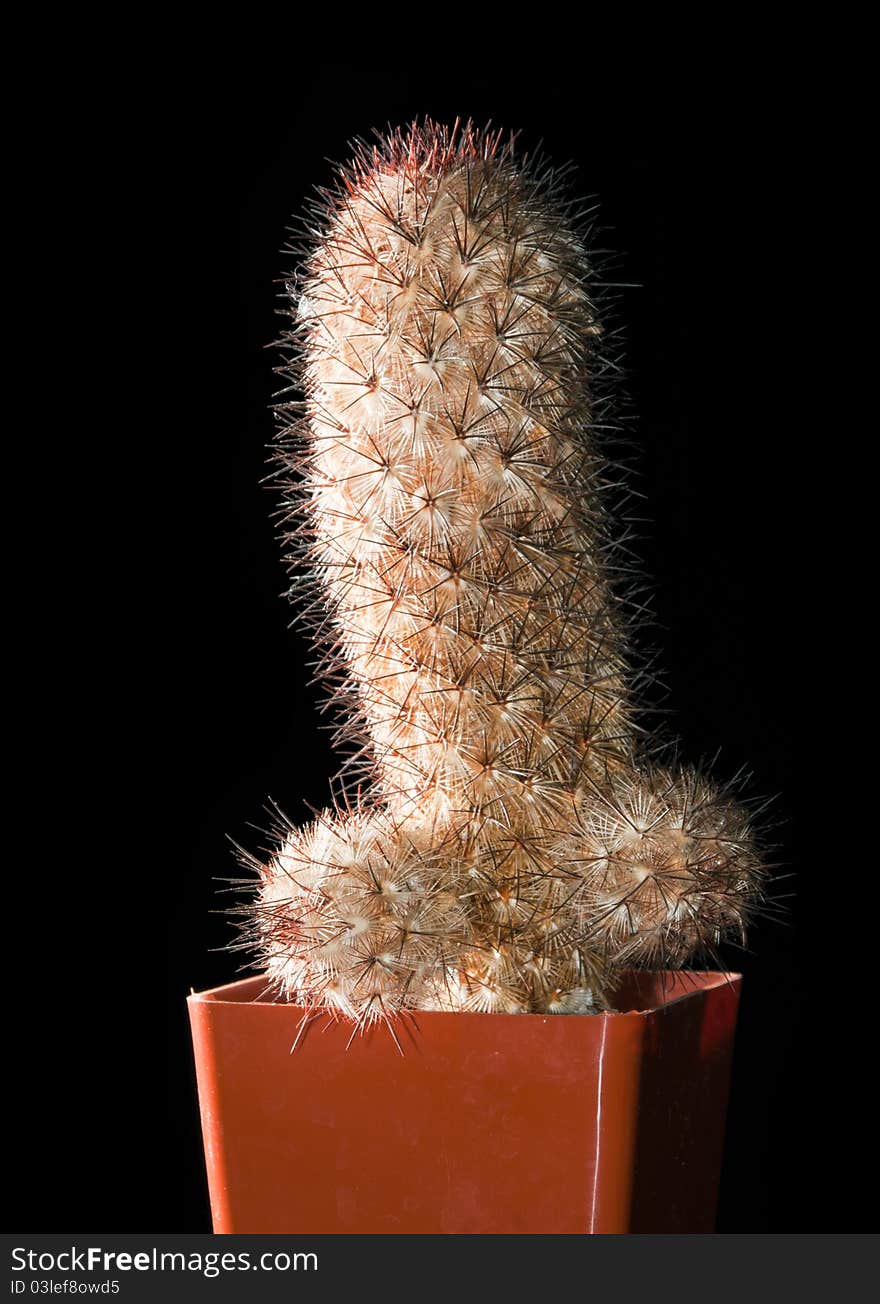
{"x": 486, "y": 1123}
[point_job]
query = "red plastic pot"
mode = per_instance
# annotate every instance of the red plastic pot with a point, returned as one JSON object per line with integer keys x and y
{"x": 486, "y": 1122}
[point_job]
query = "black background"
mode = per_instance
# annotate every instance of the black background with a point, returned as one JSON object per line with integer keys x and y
{"x": 173, "y": 695}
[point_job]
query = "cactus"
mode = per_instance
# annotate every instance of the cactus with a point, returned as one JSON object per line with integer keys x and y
{"x": 505, "y": 840}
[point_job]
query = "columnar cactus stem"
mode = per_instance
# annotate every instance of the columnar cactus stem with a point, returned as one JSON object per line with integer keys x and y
{"x": 448, "y": 498}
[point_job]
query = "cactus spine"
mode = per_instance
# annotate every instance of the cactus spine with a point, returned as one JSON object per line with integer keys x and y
{"x": 509, "y": 844}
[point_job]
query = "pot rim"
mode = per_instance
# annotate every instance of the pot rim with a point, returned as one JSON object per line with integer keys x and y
{"x": 641, "y": 991}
